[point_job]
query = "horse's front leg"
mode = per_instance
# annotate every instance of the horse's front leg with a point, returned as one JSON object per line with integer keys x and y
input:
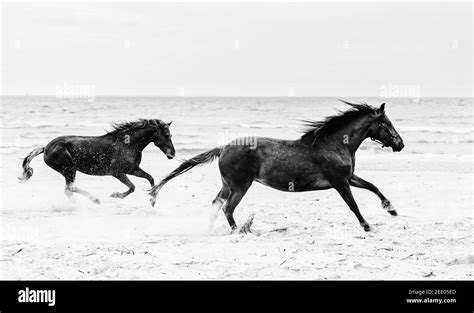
{"x": 141, "y": 173}
{"x": 360, "y": 183}
{"x": 344, "y": 190}
{"x": 124, "y": 179}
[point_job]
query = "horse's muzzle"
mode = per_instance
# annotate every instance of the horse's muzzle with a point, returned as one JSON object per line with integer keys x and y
{"x": 398, "y": 146}
{"x": 169, "y": 156}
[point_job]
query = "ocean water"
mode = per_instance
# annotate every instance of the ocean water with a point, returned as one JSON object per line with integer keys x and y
{"x": 428, "y": 126}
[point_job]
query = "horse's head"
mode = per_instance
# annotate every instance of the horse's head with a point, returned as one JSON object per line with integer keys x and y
{"x": 382, "y": 130}
{"x": 162, "y": 138}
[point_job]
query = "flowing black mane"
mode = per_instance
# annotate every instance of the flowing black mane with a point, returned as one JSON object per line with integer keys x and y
{"x": 134, "y": 125}
{"x": 319, "y": 129}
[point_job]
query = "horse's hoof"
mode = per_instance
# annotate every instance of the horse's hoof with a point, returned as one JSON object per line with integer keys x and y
{"x": 246, "y": 226}
{"x": 116, "y": 195}
{"x": 96, "y": 200}
{"x": 387, "y": 205}
{"x": 152, "y": 201}
{"x": 367, "y": 227}
{"x": 393, "y": 212}
{"x": 245, "y": 231}
{"x": 241, "y": 230}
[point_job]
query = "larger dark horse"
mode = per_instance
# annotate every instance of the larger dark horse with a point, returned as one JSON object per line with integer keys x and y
{"x": 117, "y": 153}
{"x": 323, "y": 158}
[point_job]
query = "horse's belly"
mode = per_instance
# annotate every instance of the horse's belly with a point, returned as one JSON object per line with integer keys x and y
{"x": 93, "y": 165}
{"x": 275, "y": 185}
{"x": 319, "y": 184}
{"x": 296, "y": 184}
{"x": 103, "y": 165}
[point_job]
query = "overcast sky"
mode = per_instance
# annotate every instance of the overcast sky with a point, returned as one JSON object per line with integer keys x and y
{"x": 237, "y": 49}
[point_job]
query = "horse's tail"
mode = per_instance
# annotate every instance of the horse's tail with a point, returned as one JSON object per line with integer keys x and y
{"x": 202, "y": 158}
{"x": 27, "y": 170}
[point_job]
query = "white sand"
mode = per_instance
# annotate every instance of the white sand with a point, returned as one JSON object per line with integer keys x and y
{"x": 309, "y": 235}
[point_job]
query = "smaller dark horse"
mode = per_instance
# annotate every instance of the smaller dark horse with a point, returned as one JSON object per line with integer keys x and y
{"x": 117, "y": 153}
{"x": 323, "y": 158}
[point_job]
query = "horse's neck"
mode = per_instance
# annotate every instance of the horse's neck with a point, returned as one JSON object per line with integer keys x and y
{"x": 143, "y": 138}
{"x": 137, "y": 139}
{"x": 353, "y": 134}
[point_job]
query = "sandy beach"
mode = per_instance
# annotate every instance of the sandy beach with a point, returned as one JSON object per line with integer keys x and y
{"x": 309, "y": 235}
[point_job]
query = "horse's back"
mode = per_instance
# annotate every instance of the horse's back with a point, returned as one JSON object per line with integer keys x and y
{"x": 286, "y": 165}
{"x": 64, "y": 142}
{"x": 88, "y": 154}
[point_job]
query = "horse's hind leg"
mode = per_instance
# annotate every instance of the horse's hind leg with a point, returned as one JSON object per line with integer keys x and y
{"x": 124, "y": 179}
{"x": 236, "y": 195}
{"x": 361, "y": 183}
{"x": 217, "y": 204}
{"x": 86, "y": 194}
{"x": 70, "y": 175}
{"x": 60, "y": 160}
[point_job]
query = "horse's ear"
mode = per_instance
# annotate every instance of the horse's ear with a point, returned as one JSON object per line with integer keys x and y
{"x": 382, "y": 108}
{"x": 169, "y": 124}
